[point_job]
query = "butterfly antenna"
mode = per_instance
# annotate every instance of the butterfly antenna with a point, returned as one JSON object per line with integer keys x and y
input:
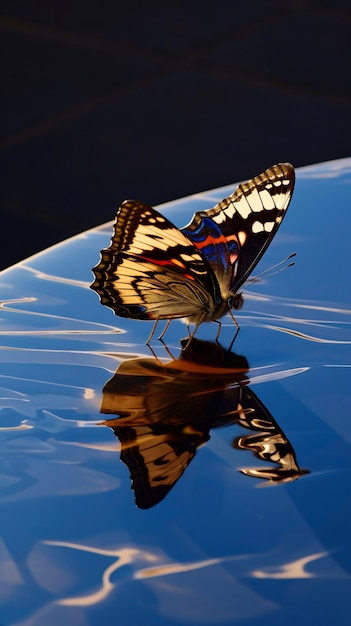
{"x": 268, "y": 272}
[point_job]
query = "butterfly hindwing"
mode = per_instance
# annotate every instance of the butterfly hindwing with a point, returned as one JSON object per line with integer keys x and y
{"x": 151, "y": 269}
{"x": 234, "y": 235}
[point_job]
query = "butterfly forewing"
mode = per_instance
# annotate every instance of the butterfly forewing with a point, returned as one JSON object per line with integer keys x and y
{"x": 151, "y": 269}
{"x": 236, "y": 232}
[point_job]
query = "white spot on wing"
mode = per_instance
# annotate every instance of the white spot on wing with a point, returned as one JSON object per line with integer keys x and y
{"x": 257, "y": 227}
{"x": 254, "y": 200}
{"x": 242, "y": 207}
{"x": 219, "y": 218}
{"x": 189, "y": 257}
{"x": 267, "y": 200}
{"x": 242, "y": 237}
{"x": 229, "y": 210}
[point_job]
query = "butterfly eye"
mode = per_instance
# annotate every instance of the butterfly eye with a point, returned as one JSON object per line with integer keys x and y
{"x": 235, "y": 302}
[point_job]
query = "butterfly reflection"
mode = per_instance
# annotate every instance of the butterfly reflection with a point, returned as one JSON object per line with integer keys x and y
{"x": 166, "y": 411}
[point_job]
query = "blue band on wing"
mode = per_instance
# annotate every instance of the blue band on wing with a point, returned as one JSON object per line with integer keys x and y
{"x": 216, "y": 247}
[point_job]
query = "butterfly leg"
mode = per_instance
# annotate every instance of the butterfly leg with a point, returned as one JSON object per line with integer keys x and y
{"x": 219, "y": 328}
{"x": 152, "y": 332}
{"x": 234, "y": 320}
{"x": 164, "y": 330}
{"x": 236, "y": 331}
{"x": 235, "y": 336}
{"x": 192, "y": 334}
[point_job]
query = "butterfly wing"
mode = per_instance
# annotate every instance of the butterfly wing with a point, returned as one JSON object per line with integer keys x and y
{"x": 157, "y": 425}
{"x": 268, "y": 443}
{"x": 156, "y": 458}
{"x": 152, "y": 270}
{"x": 236, "y": 232}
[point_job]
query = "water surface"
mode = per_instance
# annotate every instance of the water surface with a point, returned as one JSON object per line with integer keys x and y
{"x": 247, "y": 516}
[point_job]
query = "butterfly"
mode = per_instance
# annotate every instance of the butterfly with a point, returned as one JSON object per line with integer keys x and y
{"x": 155, "y": 271}
{"x": 166, "y": 412}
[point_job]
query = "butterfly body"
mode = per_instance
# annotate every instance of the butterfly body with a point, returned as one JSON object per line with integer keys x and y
{"x": 153, "y": 270}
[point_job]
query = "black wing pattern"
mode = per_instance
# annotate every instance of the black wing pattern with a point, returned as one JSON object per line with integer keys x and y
{"x": 152, "y": 270}
{"x": 234, "y": 235}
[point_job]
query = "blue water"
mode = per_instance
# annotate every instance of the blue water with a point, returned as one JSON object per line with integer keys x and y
{"x": 236, "y": 538}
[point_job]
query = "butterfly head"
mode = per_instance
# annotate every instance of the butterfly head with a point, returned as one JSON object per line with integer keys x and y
{"x": 235, "y": 301}
{"x": 221, "y": 306}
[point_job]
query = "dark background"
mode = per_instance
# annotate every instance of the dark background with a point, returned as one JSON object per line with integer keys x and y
{"x": 104, "y": 101}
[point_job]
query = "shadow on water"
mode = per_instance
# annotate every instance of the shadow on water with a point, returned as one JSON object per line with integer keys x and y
{"x": 166, "y": 411}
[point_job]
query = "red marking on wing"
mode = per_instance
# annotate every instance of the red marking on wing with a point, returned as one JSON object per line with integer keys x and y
{"x": 164, "y": 262}
{"x": 210, "y": 240}
{"x": 169, "y": 262}
{"x": 189, "y": 276}
{"x": 232, "y": 238}
{"x": 215, "y": 240}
